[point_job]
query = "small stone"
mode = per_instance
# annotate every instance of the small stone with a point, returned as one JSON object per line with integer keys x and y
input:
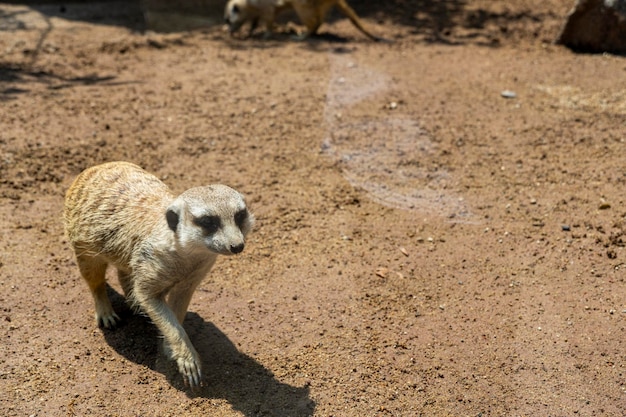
{"x": 508, "y": 94}
{"x": 565, "y": 228}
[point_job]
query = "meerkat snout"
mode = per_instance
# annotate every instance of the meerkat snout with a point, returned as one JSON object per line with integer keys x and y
{"x": 237, "y": 248}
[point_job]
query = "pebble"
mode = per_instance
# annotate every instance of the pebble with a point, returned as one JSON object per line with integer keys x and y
{"x": 565, "y": 228}
{"x": 382, "y": 272}
{"x": 508, "y": 94}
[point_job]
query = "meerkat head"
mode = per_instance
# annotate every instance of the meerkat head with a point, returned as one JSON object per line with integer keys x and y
{"x": 213, "y": 217}
{"x": 236, "y": 14}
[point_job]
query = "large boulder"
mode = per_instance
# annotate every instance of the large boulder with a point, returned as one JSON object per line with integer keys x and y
{"x": 596, "y": 26}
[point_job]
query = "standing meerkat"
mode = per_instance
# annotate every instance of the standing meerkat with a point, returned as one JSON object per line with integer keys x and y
{"x": 162, "y": 245}
{"x": 311, "y": 12}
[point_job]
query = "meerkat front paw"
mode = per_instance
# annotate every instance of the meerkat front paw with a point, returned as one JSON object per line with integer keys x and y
{"x": 190, "y": 369}
{"x": 188, "y": 362}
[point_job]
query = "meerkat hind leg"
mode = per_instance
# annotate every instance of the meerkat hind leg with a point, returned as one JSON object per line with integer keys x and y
{"x": 93, "y": 271}
{"x": 309, "y": 17}
{"x": 124, "y": 278}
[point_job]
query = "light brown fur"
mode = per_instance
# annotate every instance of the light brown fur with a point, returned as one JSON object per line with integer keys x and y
{"x": 162, "y": 246}
{"x": 311, "y": 12}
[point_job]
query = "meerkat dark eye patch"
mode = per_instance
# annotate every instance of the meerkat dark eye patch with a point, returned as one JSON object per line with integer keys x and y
{"x": 172, "y": 219}
{"x": 210, "y": 224}
{"x": 240, "y": 217}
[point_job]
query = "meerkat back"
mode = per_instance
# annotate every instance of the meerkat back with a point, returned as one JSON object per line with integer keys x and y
{"x": 109, "y": 206}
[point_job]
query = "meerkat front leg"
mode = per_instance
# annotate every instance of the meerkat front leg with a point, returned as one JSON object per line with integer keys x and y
{"x": 180, "y": 295}
{"x": 267, "y": 16}
{"x": 177, "y": 345}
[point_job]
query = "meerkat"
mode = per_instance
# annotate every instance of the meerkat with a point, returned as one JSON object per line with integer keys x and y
{"x": 311, "y": 12}
{"x": 162, "y": 245}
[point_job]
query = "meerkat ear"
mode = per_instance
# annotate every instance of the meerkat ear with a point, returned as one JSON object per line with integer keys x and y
{"x": 173, "y": 216}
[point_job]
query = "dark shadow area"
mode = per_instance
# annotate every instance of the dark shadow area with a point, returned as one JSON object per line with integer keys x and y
{"x": 452, "y": 22}
{"x": 21, "y": 75}
{"x": 14, "y": 77}
{"x": 431, "y": 18}
{"x": 438, "y": 21}
{"x": 457, "y": 22}
{"x": 229, "y": 374}
{"x": 104, "y": 12}
{"x": 258, "y": 40}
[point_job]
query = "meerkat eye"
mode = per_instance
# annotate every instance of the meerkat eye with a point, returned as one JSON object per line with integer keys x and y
{"x": 240, "y": 217}
{"x": 210, "y": 224}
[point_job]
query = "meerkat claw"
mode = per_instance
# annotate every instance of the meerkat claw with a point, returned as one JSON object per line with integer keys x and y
{"x": 191, "y": 373}
{"x": 109, "y": 321}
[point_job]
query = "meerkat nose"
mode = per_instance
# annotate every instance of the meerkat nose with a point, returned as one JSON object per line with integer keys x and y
{"x": 236, "y": 248}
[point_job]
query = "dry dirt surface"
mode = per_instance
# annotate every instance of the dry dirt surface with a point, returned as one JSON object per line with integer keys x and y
{"x": 441, "y": 220}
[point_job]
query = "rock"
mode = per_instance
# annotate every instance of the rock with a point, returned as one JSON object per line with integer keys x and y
{"x": 508, "y": 94}
{"x": 382, "y": 272}
{"x": 596, "y": 26}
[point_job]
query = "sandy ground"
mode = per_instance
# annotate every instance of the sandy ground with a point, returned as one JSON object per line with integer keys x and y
{"x": 425, "y": 246}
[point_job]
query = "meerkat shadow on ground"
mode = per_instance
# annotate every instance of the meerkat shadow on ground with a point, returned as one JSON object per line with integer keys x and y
{"x": 135, "y": 337}
{"x": 229, "y": 374}
{"x": 328, "y": 37}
